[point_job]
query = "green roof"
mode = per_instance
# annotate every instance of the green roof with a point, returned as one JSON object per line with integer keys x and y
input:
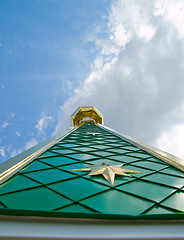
{"x": 49, "y": 186}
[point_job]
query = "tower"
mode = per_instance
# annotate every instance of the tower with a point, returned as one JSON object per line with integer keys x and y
{"x": 92, "y": 172}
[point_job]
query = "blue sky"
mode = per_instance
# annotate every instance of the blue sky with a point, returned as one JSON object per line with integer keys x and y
{"x": 124, "y": 57}
{"x": 44, "y": 56}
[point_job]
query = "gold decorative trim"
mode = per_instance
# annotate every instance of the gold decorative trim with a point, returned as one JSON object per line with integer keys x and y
{"x": 85, "y": 114}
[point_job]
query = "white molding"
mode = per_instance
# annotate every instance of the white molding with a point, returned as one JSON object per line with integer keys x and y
{"x": 50, "y": 228}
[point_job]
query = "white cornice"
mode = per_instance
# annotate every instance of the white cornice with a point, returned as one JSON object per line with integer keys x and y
{"x": 48, "y": 228}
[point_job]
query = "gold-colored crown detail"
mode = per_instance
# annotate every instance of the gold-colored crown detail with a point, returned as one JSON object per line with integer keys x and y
{"x": 86, "y": 114}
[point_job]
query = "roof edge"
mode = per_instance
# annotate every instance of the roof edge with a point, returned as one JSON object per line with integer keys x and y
{"x": 15, "y": 164}
{"x": 90, "y": 216}
{"x": 162, "y": 155}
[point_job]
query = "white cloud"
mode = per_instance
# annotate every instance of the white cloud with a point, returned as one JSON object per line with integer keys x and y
{"x": 18, "y": 134}
{"x": 15, "y": 152}
{"x": 137, "y": 79}
{"x": 5, "y": 124}
{"x": 31, "y": 143}
{"x": 173, "y": 12}
{"x": 172, "y": 140}
{"x": 2, "y": 151}
{"x": 12, "y": 115}
{"x": 42, "y": 123}
{"x": 12, "y": 151}
{"x": 146, "y": 32}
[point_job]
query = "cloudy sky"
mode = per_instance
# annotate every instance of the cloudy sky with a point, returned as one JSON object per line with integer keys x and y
{"x": 125, "y": 57}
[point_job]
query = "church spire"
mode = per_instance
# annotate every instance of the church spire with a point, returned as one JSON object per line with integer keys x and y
{"x": 93, "y": 172}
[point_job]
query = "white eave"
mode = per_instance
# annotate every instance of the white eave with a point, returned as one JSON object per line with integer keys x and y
{"x": 52, "y": 228}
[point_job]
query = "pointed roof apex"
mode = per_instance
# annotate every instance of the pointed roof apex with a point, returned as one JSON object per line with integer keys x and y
{"x": 86, "y": 114}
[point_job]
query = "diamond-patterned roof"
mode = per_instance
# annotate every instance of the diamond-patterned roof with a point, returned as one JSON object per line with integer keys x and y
{"x": 48, "y": 186}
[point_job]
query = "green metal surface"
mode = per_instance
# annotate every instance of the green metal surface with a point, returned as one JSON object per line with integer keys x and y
{"x": 49, "y": 187}
{"x": 17, "y": 183}
{"x": 41, "y": 199}
{"x": 35, "y": 166}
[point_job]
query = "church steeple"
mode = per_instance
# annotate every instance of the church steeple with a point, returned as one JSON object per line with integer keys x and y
{"x": 93, "y": 172}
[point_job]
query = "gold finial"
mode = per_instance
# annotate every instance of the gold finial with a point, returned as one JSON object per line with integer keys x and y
{"x": 86, "y": 114}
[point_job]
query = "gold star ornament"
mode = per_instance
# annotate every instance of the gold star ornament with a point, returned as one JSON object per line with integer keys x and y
{"x": 108, "y": 171}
